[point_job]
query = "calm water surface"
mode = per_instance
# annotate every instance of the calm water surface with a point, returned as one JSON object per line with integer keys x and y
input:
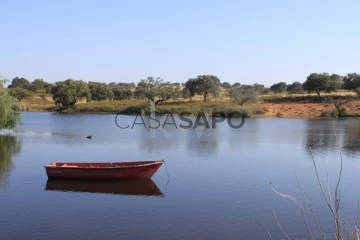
{"x": 219, "y": 178}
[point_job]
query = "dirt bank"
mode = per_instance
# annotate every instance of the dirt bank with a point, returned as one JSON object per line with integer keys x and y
{"x": 302, "y": 110}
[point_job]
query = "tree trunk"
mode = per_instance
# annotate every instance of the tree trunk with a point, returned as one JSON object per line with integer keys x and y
{"x": 318, "y": 93}
{"x": 205, "y": 96}
{"x": 338, "y": 107}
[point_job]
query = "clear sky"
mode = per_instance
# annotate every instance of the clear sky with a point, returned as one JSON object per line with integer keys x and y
{"x": 124, "y": 41}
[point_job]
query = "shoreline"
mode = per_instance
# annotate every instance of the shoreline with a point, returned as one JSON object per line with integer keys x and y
{"x": 266, "y": 116}
{"x": 266, "y": 107}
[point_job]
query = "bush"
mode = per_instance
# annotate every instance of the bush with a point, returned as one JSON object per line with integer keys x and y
{"x": 330, "y": 114}
{"x": 259, "y": 110}
{"x": 234, "y": 112}
{"x": 132, "y": 110}
{"x": 351, "y": 114}
{"x": 19, "y": 93}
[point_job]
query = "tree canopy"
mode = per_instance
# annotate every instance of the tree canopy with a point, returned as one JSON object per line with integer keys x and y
{"x": 20, "y": 82}
{"x": 100, "y": 91}
{"x": 243, "y": 94}
{"x": 156, "y": 90}
{"x": 19, "y": 93}
{"x": 226, "y": 85}
{"x": 295, "y": 87}
{"x": 67, "y": 93}
{"x": 122, "y": 91}
{"x": 322, "y": 82}
{"x": 203, "y": 85}
{"x": 278, "y": 87}
{"x": 39, "y": 85}
{"x": 351, "y": 81}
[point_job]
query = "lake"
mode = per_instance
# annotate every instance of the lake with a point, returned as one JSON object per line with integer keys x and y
{"x": 219, "y": 185}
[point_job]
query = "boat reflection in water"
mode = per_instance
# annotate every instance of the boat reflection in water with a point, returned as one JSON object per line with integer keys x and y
{"x": 140, "y": 187}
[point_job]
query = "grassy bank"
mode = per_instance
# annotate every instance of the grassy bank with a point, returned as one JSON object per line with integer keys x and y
{"x": 37, "y": 104}
{"x": 276, "y": 105}
{"x": 132, "y": 107}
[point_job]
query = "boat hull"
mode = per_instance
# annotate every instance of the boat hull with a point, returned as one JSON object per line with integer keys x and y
{"x": 103, "y": 171}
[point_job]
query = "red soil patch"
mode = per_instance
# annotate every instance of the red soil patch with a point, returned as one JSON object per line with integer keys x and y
{"x": 301, "y": 110}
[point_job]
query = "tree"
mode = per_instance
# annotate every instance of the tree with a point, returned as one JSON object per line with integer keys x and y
{"x": 128, "y": 85}
{"x": 122, "y": 92}
{"x": 335, "y": 82}
{"x": 203, "y": 85}
{"x": 82, "y": 90}
{"x": 20, "y": 82}
{"x": 278, "y": 87}
{"x": 322, "y": 82}
{"x": 156, "y": 90}
{"x": 100, "y": 91}
{"x": 259, "y": 88}
{"x": 351, "y": 81}
{"x": 226, "y": 85}
{"x": 9, "y": 115}
{"x": 67, "y": 93}
{"x": 339, "y": 104}
{"x": 243, "y": 94}
{"x": 19, "y": 93}
{"x": 295, "y": 87}
{"x": 190, "y": 88}
{"x": 39, "y": 85}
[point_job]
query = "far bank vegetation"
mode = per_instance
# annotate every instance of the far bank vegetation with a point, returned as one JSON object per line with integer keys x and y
{"x": 337, "y": 95}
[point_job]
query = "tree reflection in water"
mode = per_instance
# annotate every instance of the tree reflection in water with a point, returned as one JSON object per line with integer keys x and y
{"x": 351, "y": 140}
{"x": 323, "y": 136}
{"x": 9, "y": 146}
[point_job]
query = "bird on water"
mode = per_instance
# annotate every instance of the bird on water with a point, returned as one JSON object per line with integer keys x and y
{"x": 89, "y": 137}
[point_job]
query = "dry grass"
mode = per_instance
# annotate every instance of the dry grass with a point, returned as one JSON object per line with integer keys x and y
{"x": 36, "y": 104}
{"x": 270, "y": 105}
{"x": 108, "y": 106}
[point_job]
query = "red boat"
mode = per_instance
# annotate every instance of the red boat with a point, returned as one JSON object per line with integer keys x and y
{"x": 103, "y": 171}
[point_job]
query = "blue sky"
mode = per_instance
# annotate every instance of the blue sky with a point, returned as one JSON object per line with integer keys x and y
{"x": 125, "y": 41}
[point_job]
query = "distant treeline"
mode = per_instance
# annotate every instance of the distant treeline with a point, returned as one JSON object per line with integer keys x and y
{"x": 67, "y": 93}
